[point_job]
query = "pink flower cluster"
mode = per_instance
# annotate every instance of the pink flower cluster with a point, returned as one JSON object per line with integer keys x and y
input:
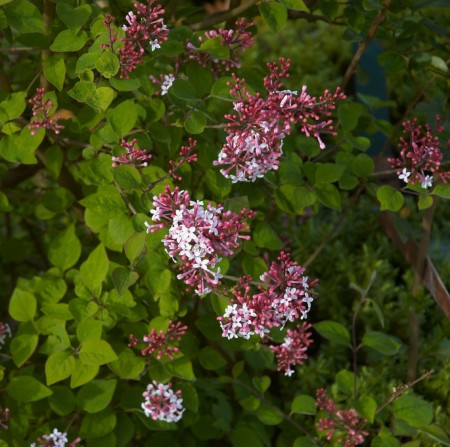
{"x": 187, "y": 154}
{"x": 420, "y": 156}
{"x": 132, "y": 156}
{"x": 55, "y": 439}
{"x": 340, "y": 420}
{"x": 284, "y": 296}
{"x": 198, "y": 236}
{"x": 293, "y": 350}
{"x": 41, "y": 114}
{"x": 162, "y": 404}
{"x": 256, "y": 132}
{"x": 237, "y": 40}
{"x": 160, "y": 342}
{"x": 145, "y": 28}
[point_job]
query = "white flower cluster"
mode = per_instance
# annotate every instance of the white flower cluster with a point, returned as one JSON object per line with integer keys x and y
{"x": 58, "y": 439}
{"x": 167, "y": 83}
{"x": 162, "y": 403}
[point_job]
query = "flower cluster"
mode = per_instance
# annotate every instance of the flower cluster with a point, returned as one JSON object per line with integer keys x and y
{"x": 132, "y": 156}
{"x": 340, "y": 420}
{"x": 145, "y": 28}
{"x": 5, "y": 331}
{"x": 235, "y": 40}
{"x": 55, "y": 439}
{"x": 293, "y": 350}
{"x": 284, "y": 296}
{"x": 198, "y": 236}
{"x": 41, "y": 114}
{"x": 256, "y": 132}
{"x": 160, "y": 342}
{"x": 164, "y": 83}
{"x": 420, "y": 156}
{"x": 162, "y": 404}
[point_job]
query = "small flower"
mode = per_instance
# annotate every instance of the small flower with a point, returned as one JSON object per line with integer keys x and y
{"x": 167, "y": 83}
{"x": 133, "y": 156}
{"x": 162, "y": 404}
{"x": 5, "y": 331}
{"x": 404, "y": 175}
{"x": 41, "y": 114}
{"x": 55, "y": 439}
{"x": 427, "y": 182}
{"x": 154, "y": 44}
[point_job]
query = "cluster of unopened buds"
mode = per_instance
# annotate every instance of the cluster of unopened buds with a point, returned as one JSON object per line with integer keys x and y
{"x": 235, "y": 40}
{"x": 161, "y": 343}
{"x": 420, "y": 155}
{"x": 55, "y": 439}
{"x": 42, "y": 118}
{"x": 284, "y": 295}
{"x": 198, "y": 235}
{"x": 292, "y": 351}
{"x": 162, "y": 403}
{"x": 257, "y": 130}
{"x": 132, "y": 156}
{"x": 347, "y": 423}
{"x": 144, "y": 28}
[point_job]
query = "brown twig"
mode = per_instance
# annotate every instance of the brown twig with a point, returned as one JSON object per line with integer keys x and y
{"x": 363, "y": 45}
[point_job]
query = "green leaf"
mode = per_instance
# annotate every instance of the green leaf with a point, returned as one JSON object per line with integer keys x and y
{"x": 303, "y": 441}
{"x": 303, "y": 404}
{"x": 383, "y": 343}
{"x": 65, "y": 249}
{"x": 201, "y": 79}
{"x": 261, "y": 383}
{"x": 101, "y": 99}
{"x": 345, "y": 382}
{"x": 127, "y": 177}
{"x": 349, "y": 114}
{"x": 123, "y": 278}
{"x": 378, "y": 311}
{"x": 21, "y": 147}
{"x": 366, "y": 407}
{"x": 274, "y": 14}
{"x": 124, "y": 85}
{"x": 215, "y": 48}
{"x": 195, "y": 123}
{"x": 62, "y": 401}
{"x": 22, "y": 306}
{"x": 266, "y": 237}
{"x": 390, "y": 199}
{"x": 442, "y": 190}
{"x": 269, "y": 415}
{"x": 96, "y": 425}
{"x": 54, "y": 158}
{"x": 85, "y": 62}
{"x": 123, "y": 117}
{"x": 294, "y": 199}
{"x": 108, "y": 65}
{"x": 73, "y": 18}
{"x": 414, "y": 410}
{"x": 245, "y": 436}
{"x": 22, "y": 348}
{"x": 183, "y": 89}
{"x": 128, "y": 365}
{"x": 66, "y": 41}
{"x": 298, "y": 5}
{"x": 182, "y": 368}
{"x": 328, "y": 172}
{"x": 106, "y": 202}
{"x": 135, "y": 246}
{"x": 210, "y": 359}
{"x": 13, "y": 106}
{"x": 96, "y": 395}
{"x": 436, "y": 433}
{"x": 250, "y": 403}
{"x": 333, "y": 331}
{"x": 217, "y": 183}
{"x": 362, "y": 165}
{"x": 328, "y": 195}
{"x": 82, "y": 373}
{"x": 27, "y": 389}
{"x": 97, "y": 352}
{"x": 24, "y": 17}
{"x": 93, "y": 271}
{"x": 59, "y": 366}
{"x": 425, "y": 201}
{"x": 55, "y": 71}
{"x": 89, "y": 329}
{"x": 221, "y": 89}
